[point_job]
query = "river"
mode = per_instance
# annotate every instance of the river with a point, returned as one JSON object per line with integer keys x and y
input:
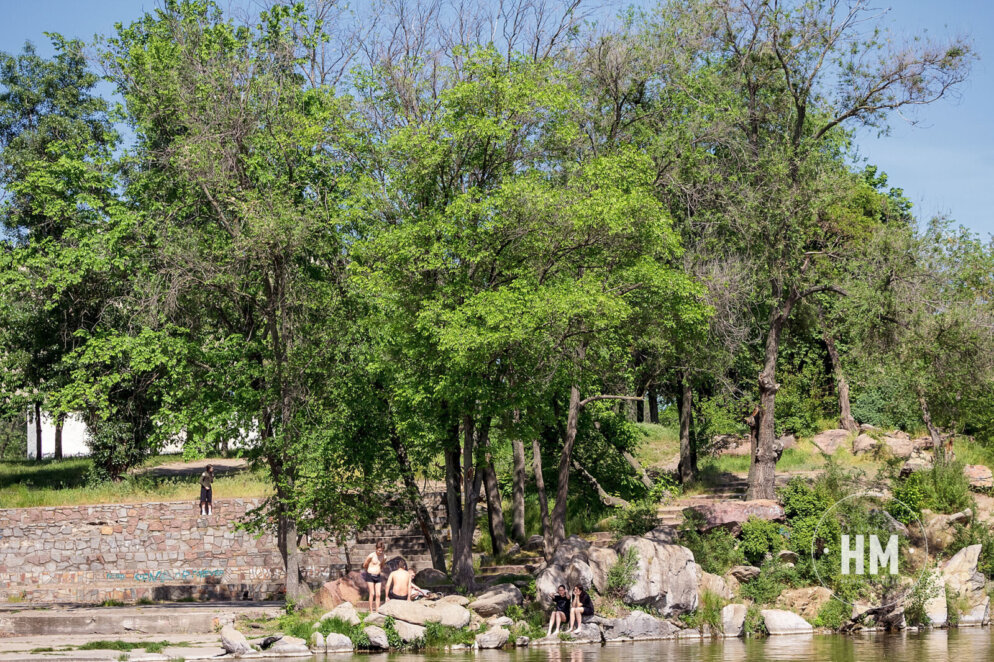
{"x": 956, "y": 645}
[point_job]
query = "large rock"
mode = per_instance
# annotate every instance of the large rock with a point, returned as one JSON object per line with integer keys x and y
{"x": 732, "y": 514}
{"x": 733, "y": 618}
{"x": 830, "y": 441}
{"x": 899, "y": 444}
{"x": 806, "y": 602}
{"x": 666, "y": 576}
{"x": 332, "y": 594}
{"x": 920, "y": 460}
{"x": 714, "y": 584}
{"x": 978, "y": 614}
{"x": 375, "y": 618}
{"x": 981, "y": 478}
{"x": 960, "y": 574}
{"x": 785, "y": 622}
{"x": 493, "y": 638}
{"x": 941, "y": 529}
{"x": 864, "y": 443}
{"x": 744, "y": 573}
{"x": 638, "y": 625}
{"x": 377, "y": 637}
{"x": 497, "y": 599}
{"x": 935, "y": 606}
{"x": 430, "y": 577}
{"x": 588, "y": 632}
{"x": 547, "y": 583}
{"x": 455, "y": 599}
{"x": 343, "y": 612}
{"x": 427, "y": 611}
{"x": 731, "y": 444}
{"x": 408, "y": 632}
{"x": 569, "y": 549}
{"x": 234, "y": 642}
{"x": 317, "y": 642}
{"x": 535, "y": 544}
{"x": 338, "y": 643}
{"x": 579, "y": 573}
{"x": 601, "y": 560}
{"x": 290, "y": 646}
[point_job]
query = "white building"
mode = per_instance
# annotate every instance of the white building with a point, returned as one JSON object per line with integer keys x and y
{"x": 74, "y": 437}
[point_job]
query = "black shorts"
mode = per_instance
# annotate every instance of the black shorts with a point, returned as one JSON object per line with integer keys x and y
{"x": 587, "y": 611}
{"x": 563, "y": 612}
{"x": 393, "y": 596}
{"x": 205, "y": 494}
{"x": 371, "y": 579}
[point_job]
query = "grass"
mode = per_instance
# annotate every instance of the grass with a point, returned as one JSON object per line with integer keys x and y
{"x": 119, "y": 645}
{"x": 26, "y": 484}
{"x": 660, "y": 444}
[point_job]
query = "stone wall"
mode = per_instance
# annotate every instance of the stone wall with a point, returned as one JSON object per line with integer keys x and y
{"x": 166, "y": 551}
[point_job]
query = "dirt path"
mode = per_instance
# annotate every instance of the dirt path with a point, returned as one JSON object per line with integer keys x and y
{"x": 222, "y": 466}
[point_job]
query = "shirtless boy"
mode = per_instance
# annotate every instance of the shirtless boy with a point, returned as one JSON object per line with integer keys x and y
{"x": 400, "y": 583}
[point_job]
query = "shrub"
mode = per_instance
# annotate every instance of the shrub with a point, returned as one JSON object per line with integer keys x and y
{"x": 910, "y": 496}
{"x": 801, "y": 500}
{"x": 759, "y": 538}
{"x": 833, "y": 614}
{"x": 914, "y": 606}
{"x": 715, "y": 550}
{"x": 943, "y": 489}
{"x": 977, "y": 533}
{"x": 754, "y": 623}
{"x": 773, "y": 578}
{"x": 708, "y": 612}
{"x": 636, "y": 518}
{"x": 621, "y": 575}
{"x": 440, "y": 636}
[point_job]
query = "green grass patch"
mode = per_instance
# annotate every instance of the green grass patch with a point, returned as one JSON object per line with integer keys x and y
{"x": 659, "y": 444}
{"x": 119, "y": 645}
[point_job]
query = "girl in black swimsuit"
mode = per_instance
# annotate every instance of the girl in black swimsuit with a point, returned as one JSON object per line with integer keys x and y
{"x": 582, "y": 606}
{"x": 560, "y": 610}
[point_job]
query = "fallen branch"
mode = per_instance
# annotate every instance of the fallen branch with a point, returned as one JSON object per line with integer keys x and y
{"x": 606, "y": 499}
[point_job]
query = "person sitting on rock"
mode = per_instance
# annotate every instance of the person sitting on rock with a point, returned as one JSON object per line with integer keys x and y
{"x": 560, "y": 610}
{"x": 371, "y": 574}
{"x": 581, "y": 606}
{"x": 400, "y": 583}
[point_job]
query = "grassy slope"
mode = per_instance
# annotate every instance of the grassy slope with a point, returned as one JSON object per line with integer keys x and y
{"x": 63, "y": 483}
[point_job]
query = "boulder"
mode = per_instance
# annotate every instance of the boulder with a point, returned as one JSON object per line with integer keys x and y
{"x": 290, "y": 646}
{"x": 234, "y": 642}
{"x": 864, "y": 443}
{"x": 787, "y": 556}
{"x": 666, "y": 576}
{"x": 332, "y": 594}
{"x": 377, "y": 637}
{"x": 714, "y": 584}
{"x": 569, "y": 549}
{"x": 730, "y": 444}
{"x": 522, "y": 642}
{"x": 830, "y": 441}
{"x": 663, "y": 533}
{"x": 785, "y": 622}
{"x": 978, "y": 614}
{"x": 503, "y": 621}
{"x": 338, "y": 643}
{"x": 547, "y": 583}
{"x": 960, "y": 574}
{"x": 919, "y": 460}
{"x": 493, "y": 638}
{"x": 408, "y": 632}
{"x": 981, "y": 478}
{"x": 497, "y": 599}
{"x": 935, "y": 607}
{"x": 732, "y": 514}
{"x": 427, "y": 611}
{"x": 344, "y": 612}
{"x": 744, "y": 573}
{"x": 430, "y": 577}
{"x": 940, "y": 529}
{"x": 899, "y": 444}
{"x": 588, "y": 632}
{"x": 806, "y": 602}
{"x": 534, "y": 544}
{"x": 638, "y": 625}
{"x": 317, "y": 642}
{"x": 579, "y": 573}
{"x": 375, "y": 618}
{"x": 455, "y": 599}
{"x": 600, "y": 560}
{"x": 787, "y": 441}
{"x": 733, "y": 618}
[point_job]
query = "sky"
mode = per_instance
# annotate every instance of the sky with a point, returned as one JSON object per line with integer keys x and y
{"x": 945, "y": 163}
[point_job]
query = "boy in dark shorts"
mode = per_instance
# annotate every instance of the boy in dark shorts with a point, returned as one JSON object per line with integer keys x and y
{"x": 207, "y": 491}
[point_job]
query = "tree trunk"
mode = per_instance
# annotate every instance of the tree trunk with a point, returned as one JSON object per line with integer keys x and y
{"x": 287, "y": 543}
{"x": 417, "y": 503}
{"x": 59, "y": 423}
{"x": 562, "y": 484}
{"x": 653, "y": 405}
{"x": 762, "y": 469}
{"x": 687, "y": 465}
{"x": 453, "y": 484}
{"x": 462, "y": 545}
{"x": 846, "y": 419}
{"x": 933, "y": 432}
{"x": 518, "y": 491}
{"x": 38, "y": 431}
{"x": 637, "y": 468}
{"x": 543, "y": 502}
{"x": 640, "y": 411}
{"x": 605, "y": 498}
{"x": 495, "y": 509}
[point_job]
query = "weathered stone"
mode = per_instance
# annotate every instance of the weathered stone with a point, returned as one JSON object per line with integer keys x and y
{"x": 744, "y": 573}
{"x": 864, "y": 443}
{"x": 940, "y": 529}
{"x": 579, "y": 573}
{"x": 338, "y": 643}
{"x": 332, "y": 594}
{"x": 663, "y": 533}
{"x": 430, "y": 577}
{"x": 344, "y": 612}
{"x": 784, "y": 622}
{"x": 899, "y": 444}
{"x": 522, "y": 642}
{"x": 317, "y": 642}
{"x": 455, "y": 599}
{"x": 496, "y": 600}
{"x": 547, "y": 583}
{"x": 535, "y": 544}
{"x": 588, "y": 632}
{"x": 569, "y": 549}
{"x": 714, "y": 584}
{"x": 290, "y": 646}
{"x": 806, "y": 601}
{"x": 787, "y": 556}
{"x": 600, "y": 560}
{"x": 961, "y": 575}
{"x": 981, "y": 478}
{"x": 408, "y": 632}
{"x": 377, "y": 637}
{"x": 666, "y": 576}
{"x": 637, "y": 625}
{"x": 493, "y": 638}
{"x": 233, "y": 641}
{"x": 733, "y": 620}
{"x": 502, "y": 621}
{"x": 978, "y": 614}
{"x": 919, "y": 460}
{"x": 427, "y": 611}
{"x": 830, "y": 441}
{"x": 375, "y": 618}
{"x": 732, "y": 514}
{"x": 787, "y": 442}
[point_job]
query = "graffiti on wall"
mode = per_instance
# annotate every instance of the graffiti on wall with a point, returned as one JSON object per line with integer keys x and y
{"x": 161, "y": 576}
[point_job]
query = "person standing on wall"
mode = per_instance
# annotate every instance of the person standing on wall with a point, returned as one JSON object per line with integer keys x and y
{"x": 207, "y": 491}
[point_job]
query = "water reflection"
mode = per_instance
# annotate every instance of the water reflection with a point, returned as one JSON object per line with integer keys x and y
{"x": 963, "y": 645}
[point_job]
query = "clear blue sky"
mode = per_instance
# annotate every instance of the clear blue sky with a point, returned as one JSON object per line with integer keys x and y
{"x": 945, "y": 165}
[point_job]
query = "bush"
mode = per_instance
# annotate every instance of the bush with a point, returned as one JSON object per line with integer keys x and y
{"x": 637, "y": 518}
{"x": 708, "y": 612}
{"x": 773, "y": 578}
{"x": 759, "y": 538}
{"x": 977, "y": 533}
{"x": 910, "y": 496}
{"x": 115, "y": 446}
{"x": 716, "y": 550}
{"x": 943, "y": 489}
{"x": 923, "y": 591}
{"x": 621, "y": 575}
{"x": 754, "y": 623}
{"x": 801, "y": 500}
{"x": 833, "y": 614}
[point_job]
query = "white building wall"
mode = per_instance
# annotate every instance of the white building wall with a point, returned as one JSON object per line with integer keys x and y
{"x": 74, "y": 437}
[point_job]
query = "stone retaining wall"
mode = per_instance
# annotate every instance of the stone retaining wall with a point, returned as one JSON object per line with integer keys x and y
{"x": 166, "y": 551}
